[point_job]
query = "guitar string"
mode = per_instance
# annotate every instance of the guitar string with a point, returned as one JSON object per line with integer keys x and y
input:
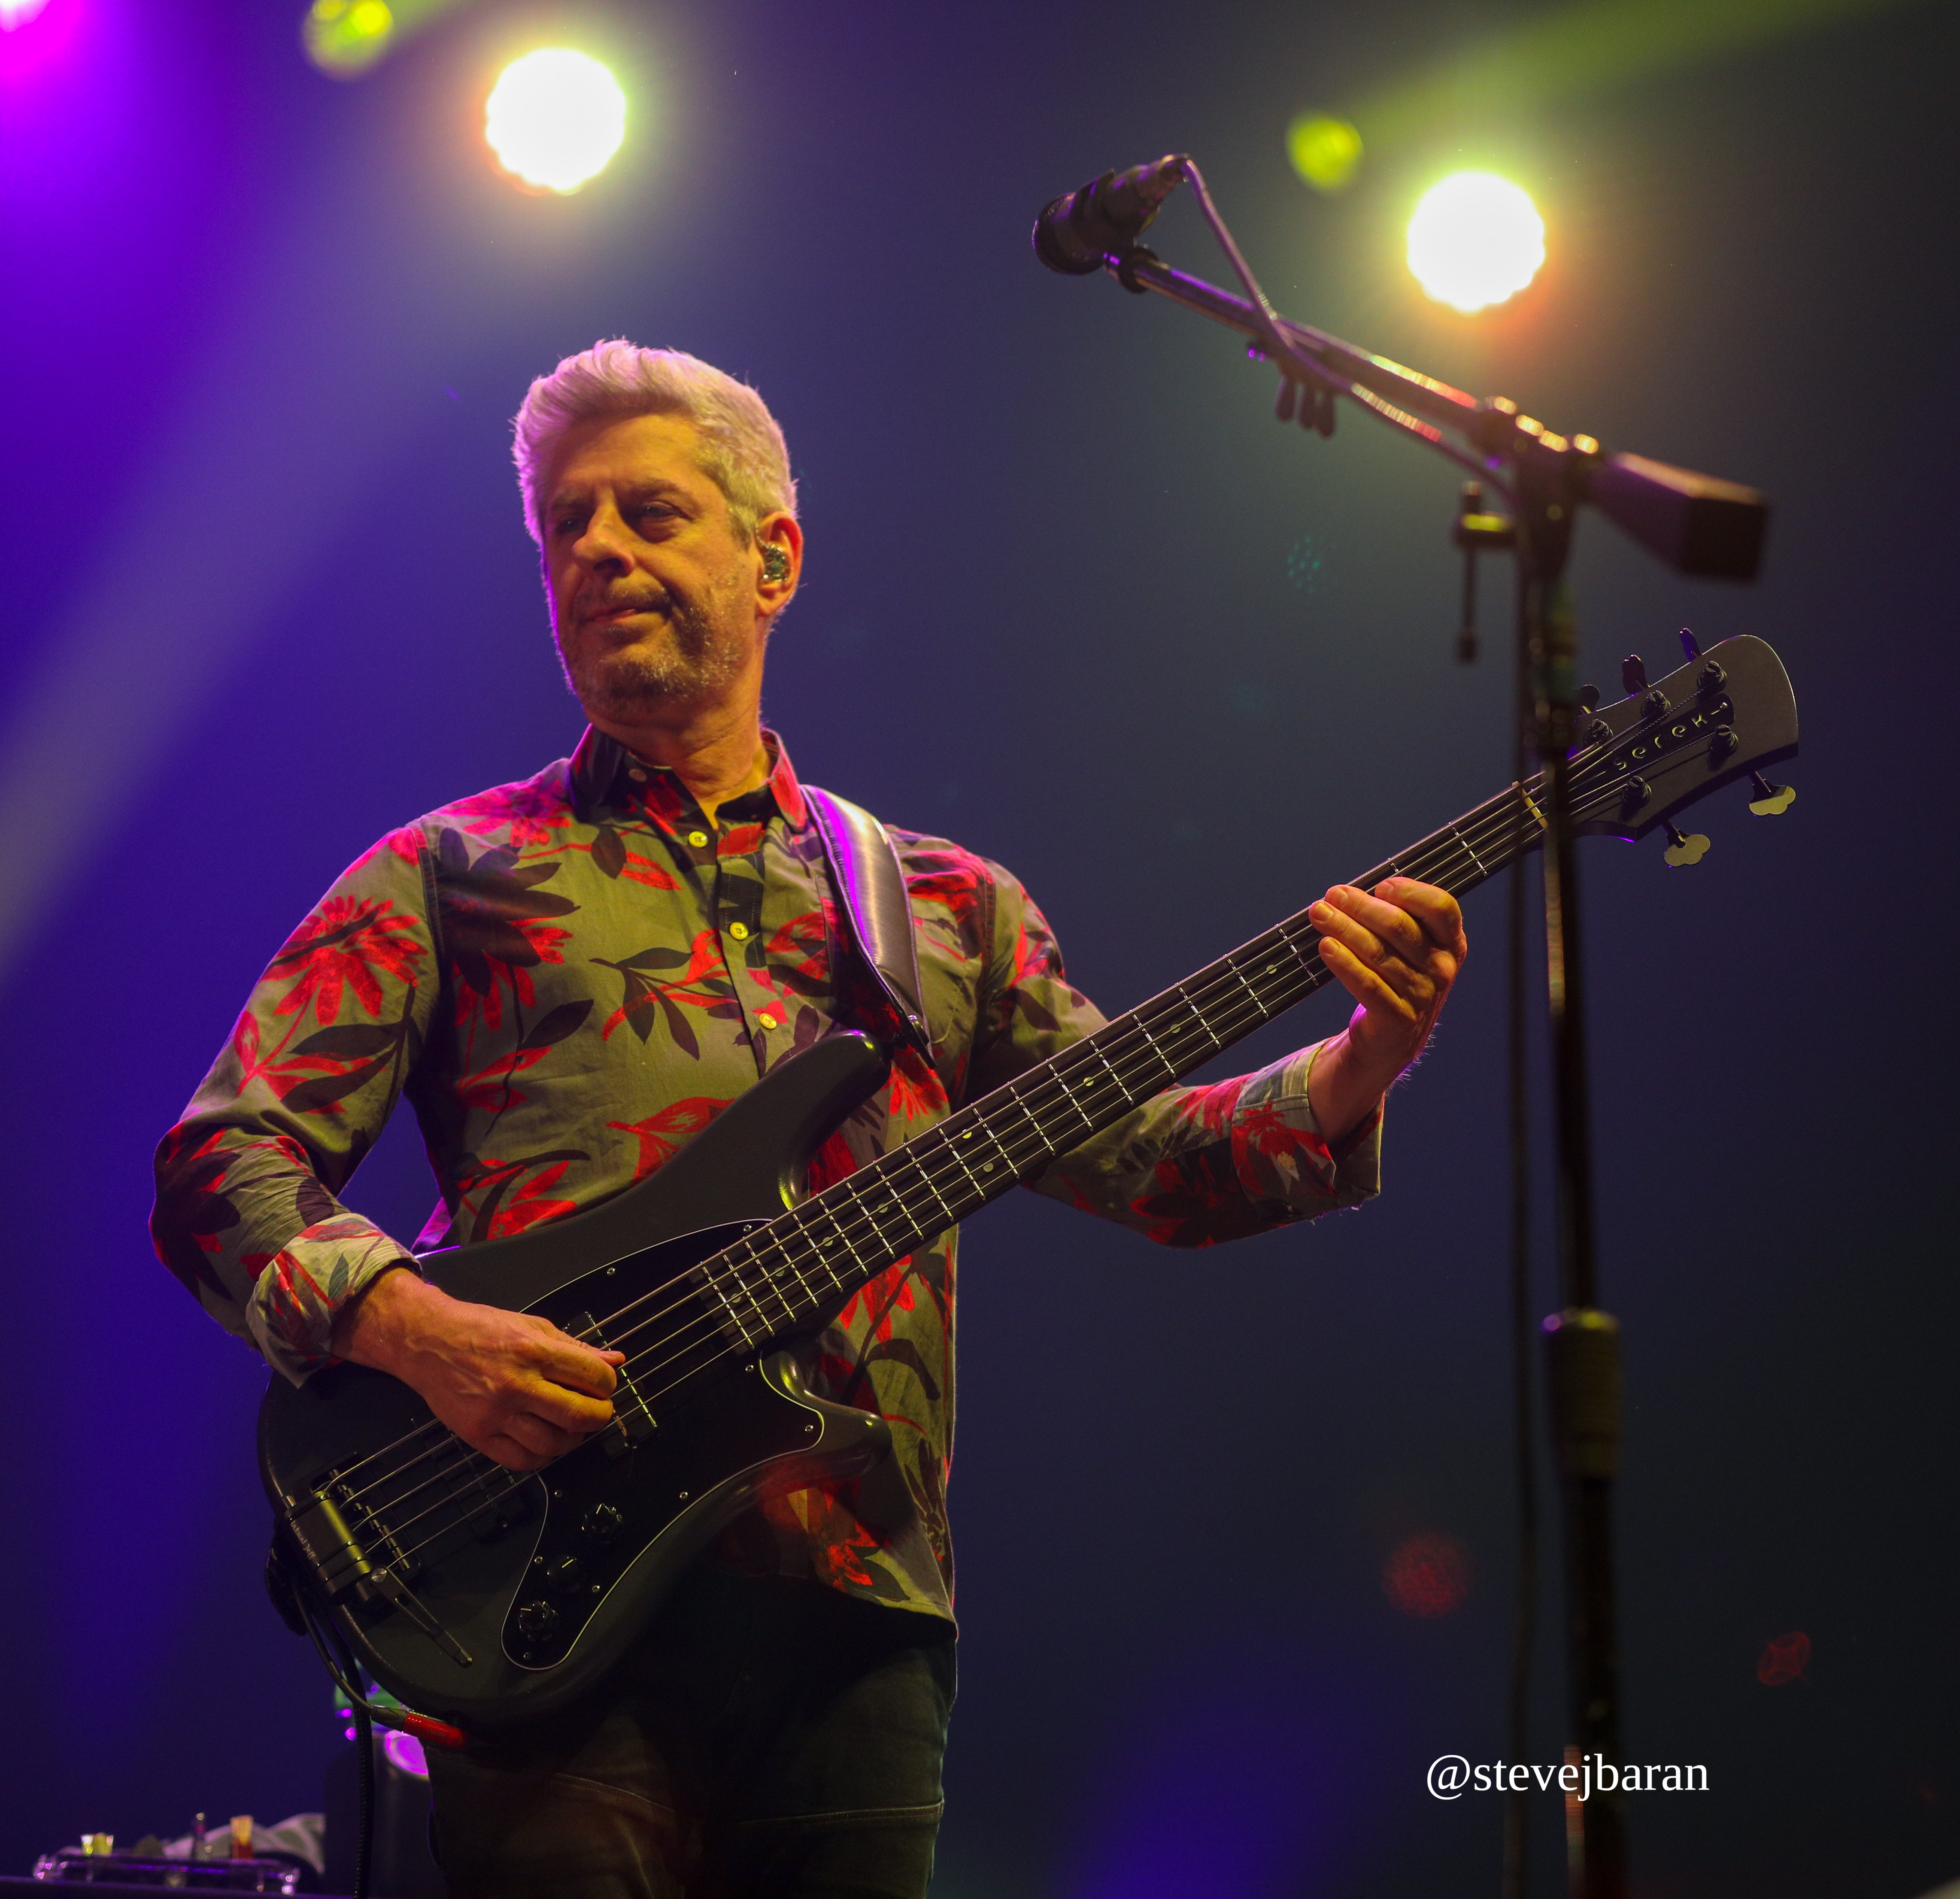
{"x": 1283, "y": 937}
{"x": 1263, "y": 1008}
{"x": 712, "y": 1341}
{"x": 1303, "y": 981}
{"x": 1451, "y": 844}
{"x": 1504, "y": 813}
{"x": 1230, "y": 974}
{"x": 1295, "y": 938}
{"x": 712, "y": 1336}
{"x": 1497, "y": 814}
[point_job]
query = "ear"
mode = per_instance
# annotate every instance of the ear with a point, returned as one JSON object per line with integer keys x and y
{"x": 778, "y": 553}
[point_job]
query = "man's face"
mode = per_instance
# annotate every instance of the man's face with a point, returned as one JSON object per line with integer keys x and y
{"x": 654, "y": 594}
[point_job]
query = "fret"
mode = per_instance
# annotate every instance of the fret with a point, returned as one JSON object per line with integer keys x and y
{"x": 786, "y": 1257}
{"x": 1068, "y": 1095}
{"x": 1012, "y": 1092}
{"x": 1259, "y": 1001}
{"x": 735, "y": 1319}
{"x": 809, "y": 1291}
{"x": 1470, "y": 848}
{"x": 823, "y": 1259}
{"x": 1095, "y": 1043}
{"x": 972, "y": 1157}
{"x": 938, "y": 1160}
{"x": 875, "y": 1183}
{"x": 918, "y": 1168}
{"x": 889, "y": 1169}
{"x": 1196, "y": 1014}
{"x": 953, "y": 1148}
{"x": 1170, "y": 1067}
{"x": 1004, "y": 1159}
{"x": 766, "y": 1273}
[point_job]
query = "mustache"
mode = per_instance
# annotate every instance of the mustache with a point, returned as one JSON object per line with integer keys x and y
{"x": 652, "y": 599}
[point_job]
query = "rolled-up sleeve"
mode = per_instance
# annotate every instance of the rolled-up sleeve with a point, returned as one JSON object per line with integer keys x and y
{"x": 245, "y": 1215}
{"x": 1191, "y": 1166}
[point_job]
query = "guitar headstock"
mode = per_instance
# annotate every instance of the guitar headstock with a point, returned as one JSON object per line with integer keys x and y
{"x": 1719, "y": 719}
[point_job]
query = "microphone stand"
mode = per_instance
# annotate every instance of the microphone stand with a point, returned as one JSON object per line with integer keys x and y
{"x": 1699, "y": 525}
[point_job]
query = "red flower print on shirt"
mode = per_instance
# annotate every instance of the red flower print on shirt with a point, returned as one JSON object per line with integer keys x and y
{"x": 527, "y": 813}
{"x": 341, "y": 946}
{"x": 662, "y": 1136}
{"x": 504, "y": 1207}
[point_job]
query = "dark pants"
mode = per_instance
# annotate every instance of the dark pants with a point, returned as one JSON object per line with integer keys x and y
{"x": 767, "y": 1739}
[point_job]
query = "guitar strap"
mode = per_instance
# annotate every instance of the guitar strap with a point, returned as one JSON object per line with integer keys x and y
{"x": 871, "y": 889}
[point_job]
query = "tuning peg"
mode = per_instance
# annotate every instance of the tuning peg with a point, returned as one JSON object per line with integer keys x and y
{"x": 1589, "y": 697}
{"x": 1634, "y": 673}
{"x": 1690, "y": 648}
{"x": 1770, "y": 801}
{"x": 1685, "y": 850}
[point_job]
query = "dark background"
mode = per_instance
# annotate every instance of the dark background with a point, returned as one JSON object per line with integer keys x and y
{"x": 267, "y": 593}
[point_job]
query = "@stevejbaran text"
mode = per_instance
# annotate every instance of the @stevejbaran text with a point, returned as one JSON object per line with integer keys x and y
{"x": 1451, "y": 1776}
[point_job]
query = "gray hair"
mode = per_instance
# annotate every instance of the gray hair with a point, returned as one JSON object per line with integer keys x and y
{"x": 741, "y": 447}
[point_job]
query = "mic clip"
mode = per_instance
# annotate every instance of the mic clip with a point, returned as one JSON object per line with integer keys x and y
{"x": 1077, "y": 233}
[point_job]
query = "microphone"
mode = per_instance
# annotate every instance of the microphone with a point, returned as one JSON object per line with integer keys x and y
{"x": 1077, "y": 231}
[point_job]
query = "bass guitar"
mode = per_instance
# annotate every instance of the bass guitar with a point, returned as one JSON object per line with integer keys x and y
{"x": 486, "y": 1596}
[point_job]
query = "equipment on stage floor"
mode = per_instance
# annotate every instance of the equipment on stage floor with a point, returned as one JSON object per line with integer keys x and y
{"x": 487, "y": 1596}
{"x": 241, "y": 1858}
{"x": 112, "y": 1873}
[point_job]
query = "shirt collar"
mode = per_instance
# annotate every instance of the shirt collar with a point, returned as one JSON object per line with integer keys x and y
{"x": 600, "y": 765}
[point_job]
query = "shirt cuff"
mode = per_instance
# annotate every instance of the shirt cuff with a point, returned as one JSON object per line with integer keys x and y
{"x": 1301, "y": 1166}
{"x": 306, "y": 1285}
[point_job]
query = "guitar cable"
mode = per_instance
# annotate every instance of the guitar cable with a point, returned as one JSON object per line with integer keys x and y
{"x": 368, "y": 1715}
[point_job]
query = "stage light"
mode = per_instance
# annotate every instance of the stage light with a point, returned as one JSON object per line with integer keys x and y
{"x": 1475, "y": 240}
{"x": 346, "y": 37}
{"x": 1427, "y": 1575}
{"x": 18, "y": 13}
{"x": 555, "y": 118}
{"x": 1326, "y": 152}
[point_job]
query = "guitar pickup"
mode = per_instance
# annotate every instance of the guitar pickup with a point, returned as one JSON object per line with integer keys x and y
{"x": 343, "y": 1568}
{"x": 632, "y": 1423}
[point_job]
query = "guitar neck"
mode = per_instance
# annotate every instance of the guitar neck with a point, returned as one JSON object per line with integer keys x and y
{"x": 782, "y": 1276}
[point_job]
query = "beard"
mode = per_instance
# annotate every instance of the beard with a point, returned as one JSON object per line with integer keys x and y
{"x": 695, "y": 653}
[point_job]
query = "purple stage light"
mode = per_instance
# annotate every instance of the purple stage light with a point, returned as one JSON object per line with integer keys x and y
{"x": 404, "y": 1754}
{"x": 18, "y": 13}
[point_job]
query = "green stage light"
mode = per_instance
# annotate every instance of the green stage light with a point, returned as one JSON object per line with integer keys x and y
{"x": 346, "y": 37}
{"x": 555, "y": 118}
{"x": 1475, "y": 240}
{"x": 1325, "y": 152}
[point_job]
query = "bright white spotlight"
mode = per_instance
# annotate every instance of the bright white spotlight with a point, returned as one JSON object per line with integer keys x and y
{"x": 555, "y": 118}
{"x": 18, "y": 13}
{"x": 1475, "y": 239}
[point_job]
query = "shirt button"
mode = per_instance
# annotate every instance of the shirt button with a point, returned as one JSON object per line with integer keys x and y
{"x": 767, "y": 1022}
{"x": 739, "y": 931}
{"x": 698, "y": 839}
{"x": 636, "y": 775}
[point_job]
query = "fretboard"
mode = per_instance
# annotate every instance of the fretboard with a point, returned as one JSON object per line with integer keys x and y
{"x": 784, "y": 1275}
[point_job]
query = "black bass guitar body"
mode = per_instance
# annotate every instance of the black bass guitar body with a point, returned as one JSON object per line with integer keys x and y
{"x": 468, "y": 1591}
{"x": 471, "y": 1592}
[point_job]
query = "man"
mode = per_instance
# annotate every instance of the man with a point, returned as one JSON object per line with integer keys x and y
{"x": 571, "y": 975}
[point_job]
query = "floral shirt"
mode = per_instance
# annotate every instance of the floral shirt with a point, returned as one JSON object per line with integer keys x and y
{"x": 570, "y": 976}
